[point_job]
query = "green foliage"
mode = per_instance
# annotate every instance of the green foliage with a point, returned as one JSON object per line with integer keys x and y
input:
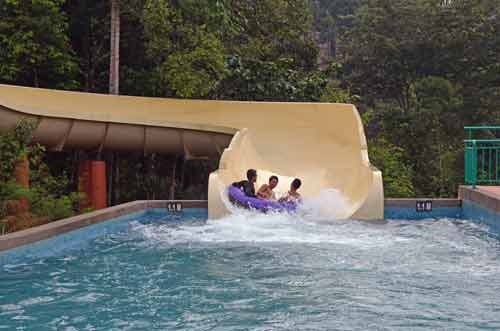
{"x": 269, "y": 81}
{"x": 188, "y": 52}
{"x": 397, "y": 175}
{"x": 34, "y": 45}
{"x": 419, "y": 70}
{"x": 333, "y": 92}
{"x": 395, "y": 43}
{"x": 270, "y": 53}
{"x": 16, "y": 144}
{"x": 262, "y": 52}
{"x": 423, "y": 69}
{"x": 426, "y": 134}
{"x": 390, "y": 159}
{"x": 269, "y": 30}
{"x": 333, "y": 17}
{"x": 10, "y": 190}
{"x": 54, "y": 207}
{"x": 197, "y": 71}
{"x": 48, "y": 195}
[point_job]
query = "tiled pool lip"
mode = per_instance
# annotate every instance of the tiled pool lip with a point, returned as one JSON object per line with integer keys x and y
{"x": 52, "y": 229}
{"x": 394, "y": 209}
{"x": 406, "y": 209}
{"x": 410, "y": 203}
{"x": 481, "y": 204}
{"x": 481, "y": 197}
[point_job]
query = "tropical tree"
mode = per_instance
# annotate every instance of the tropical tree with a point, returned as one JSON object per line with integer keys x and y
{"x": 34, "y": 45}
{"x": 114, "y": 66}
{"x": 185, "y": 45}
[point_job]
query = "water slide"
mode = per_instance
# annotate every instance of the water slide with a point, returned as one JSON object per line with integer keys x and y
{"x": 323, "y": 144}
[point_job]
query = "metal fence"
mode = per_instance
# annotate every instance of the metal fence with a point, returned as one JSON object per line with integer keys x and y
{"x": 482, "y": 149}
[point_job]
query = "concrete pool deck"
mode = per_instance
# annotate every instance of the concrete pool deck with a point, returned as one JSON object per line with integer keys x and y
{"x": 482, "y": 204}
{"x": 487, "y": 197}
{"x": 492, "y": 190}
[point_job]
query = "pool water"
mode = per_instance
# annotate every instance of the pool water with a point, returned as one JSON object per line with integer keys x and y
{"x": 257, "y": 272}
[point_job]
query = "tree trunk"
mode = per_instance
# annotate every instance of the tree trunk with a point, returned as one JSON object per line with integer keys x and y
{"x": 183, "y": 171}
{"x": 114, "y": 69}
{"x": 35, "y": 77}
{"x": 173, "y": 184}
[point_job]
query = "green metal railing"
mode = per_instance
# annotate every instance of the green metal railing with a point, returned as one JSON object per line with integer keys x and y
{"x": 482, "y": 155}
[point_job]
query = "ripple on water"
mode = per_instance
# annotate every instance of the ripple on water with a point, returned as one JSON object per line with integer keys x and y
{"x": 265, "y": 272}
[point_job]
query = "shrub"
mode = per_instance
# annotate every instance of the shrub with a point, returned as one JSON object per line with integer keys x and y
{"x": 49, "y": 196}
{"x": 397, "y": 175}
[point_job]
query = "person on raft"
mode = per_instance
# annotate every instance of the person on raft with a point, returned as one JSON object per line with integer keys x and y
{"x": 248, "y": 186}
{"x": 265, "y": 192}
{"x": 293, "y": 195}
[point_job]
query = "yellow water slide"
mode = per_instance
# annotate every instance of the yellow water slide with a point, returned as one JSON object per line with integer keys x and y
{"x": 323, "y": 144}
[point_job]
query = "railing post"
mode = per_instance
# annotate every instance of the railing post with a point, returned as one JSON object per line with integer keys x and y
{"x": 474, "y": 164}
{"x": 471, "y": 163}
{"x": 472, "y": 148}
{"x": 468, "y": 163}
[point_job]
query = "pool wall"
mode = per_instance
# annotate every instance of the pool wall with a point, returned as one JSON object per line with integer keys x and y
{"x": 81, "y": 237}
{"x": 480, "y": 205}
{"x": 131, "y": 209}
{"x": 407, "y": 209}
{"x": 473, "y": 204}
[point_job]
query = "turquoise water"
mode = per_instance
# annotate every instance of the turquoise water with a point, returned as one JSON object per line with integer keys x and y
{"x": 255, "y": 272}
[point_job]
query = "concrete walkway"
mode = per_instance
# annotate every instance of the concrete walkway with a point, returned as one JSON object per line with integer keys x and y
{"x": 490, "y": 190}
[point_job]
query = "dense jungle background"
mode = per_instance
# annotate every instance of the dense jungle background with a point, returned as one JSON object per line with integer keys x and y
{"x": 418, "y": 71}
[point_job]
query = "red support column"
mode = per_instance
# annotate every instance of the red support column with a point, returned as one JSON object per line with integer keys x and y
{"x": 99, "y": 187}
{"x": 92, "y": 182}
{"x": 84, "y": 184}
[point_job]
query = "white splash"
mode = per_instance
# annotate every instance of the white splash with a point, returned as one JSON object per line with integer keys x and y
{"x": 317, "y": 220}
{"x": 246, "y": 226}
{"x": 329, "y": 205}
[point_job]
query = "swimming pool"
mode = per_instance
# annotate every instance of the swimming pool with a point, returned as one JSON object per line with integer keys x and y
{"x": 256, "y": 272}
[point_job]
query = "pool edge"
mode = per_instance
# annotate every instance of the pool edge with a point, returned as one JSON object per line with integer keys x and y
{"x": 394, "y": 209}
{"x": 481, "y": 206}
{"x": 49, "y": 230}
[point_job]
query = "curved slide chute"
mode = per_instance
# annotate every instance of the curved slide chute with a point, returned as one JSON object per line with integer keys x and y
{"x": 323, "y": 144}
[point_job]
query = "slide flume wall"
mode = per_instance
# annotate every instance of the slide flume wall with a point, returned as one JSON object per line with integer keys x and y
{"x": 323, "y": 144}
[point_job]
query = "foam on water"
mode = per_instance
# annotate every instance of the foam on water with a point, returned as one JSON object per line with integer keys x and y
{"x": 253, "y": 227}
{"x": 329, "y": 204}
{"x": 251, "y": 271}
{"x": 250, "y": 226}
{"x": 317, "y": 220}
{"x": 394, "y": 239}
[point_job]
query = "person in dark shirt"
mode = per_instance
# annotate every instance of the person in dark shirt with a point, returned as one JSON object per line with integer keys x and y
{"x": 248, "y": 186}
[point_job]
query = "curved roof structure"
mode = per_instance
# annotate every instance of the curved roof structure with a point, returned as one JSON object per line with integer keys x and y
{"x": 323, "y": 144}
